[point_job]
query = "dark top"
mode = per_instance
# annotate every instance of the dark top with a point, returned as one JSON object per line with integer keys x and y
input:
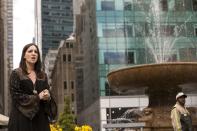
{"x": 28, "y": 112}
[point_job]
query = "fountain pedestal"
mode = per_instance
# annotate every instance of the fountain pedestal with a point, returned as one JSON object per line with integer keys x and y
{"x": 158, "y": 118}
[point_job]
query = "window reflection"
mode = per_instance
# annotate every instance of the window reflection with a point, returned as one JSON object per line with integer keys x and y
{"x": 108, "y": 5}
{"x": 118, "y": 30}
{"x": 127, "y": 6}
{"x": 194, "y": 3}
{"x": 179, "y": 5}
{"x": 195, "y": 30}
{"x": 119, "y": 57}
{"x": 114, "y": 57}
{"x": 187, "y": 54}
{"x": 141, "y": 6}
{"x": 109, "y": 32}
{"x": 128, "y": 30}
{"x": 188, "y": 5}
{"x": 164, "y": 5}
{"x": 168, "y": 30}
{"x": 139, "y": 29}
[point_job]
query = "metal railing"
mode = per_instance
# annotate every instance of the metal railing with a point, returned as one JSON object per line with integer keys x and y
{"x": 133, "y": 125}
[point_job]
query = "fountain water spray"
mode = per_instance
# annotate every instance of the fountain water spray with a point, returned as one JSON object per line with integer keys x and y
{"x": 161, "y": 35}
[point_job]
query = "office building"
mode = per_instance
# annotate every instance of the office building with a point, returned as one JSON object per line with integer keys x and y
{"x": 54, "y": 22}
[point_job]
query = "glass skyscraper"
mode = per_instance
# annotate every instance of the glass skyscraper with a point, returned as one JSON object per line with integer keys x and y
{"x": 132, "y": 32}
{"x": 55, "y": 22}
{"x": 129, "y": 33}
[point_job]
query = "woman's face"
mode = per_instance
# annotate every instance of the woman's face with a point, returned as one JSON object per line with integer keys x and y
{"x": 31, "y": 55}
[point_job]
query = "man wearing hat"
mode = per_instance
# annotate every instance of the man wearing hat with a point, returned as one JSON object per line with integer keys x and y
{"x": 181, "y": 118}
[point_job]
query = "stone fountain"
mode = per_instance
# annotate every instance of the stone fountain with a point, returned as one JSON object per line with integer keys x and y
{"x": 160, "y": 82}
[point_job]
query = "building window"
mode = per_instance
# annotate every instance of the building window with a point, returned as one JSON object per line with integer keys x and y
{"x": 187, "y": 54}
{"x": 172, "y": 58}
{"x": 55, "y": 41}
{"x": 72, "y": 97}
{"x": 188, "y": 5}
{"x": 130, "y": 58}
{"x": 69, "y": 58}
{"x": 127, "y": 6}
{"x": 114, "y": 58}
{"x": 119, "y": 57}
{"x": 179, "y": 5}
{"x": 195, "y": 30}
{"x": 128, "y": 30}
{"x": 65, "y": 85}
{"x": 46, "y": 13}
{"x": 71, "y": 45}
{"x": 67, "y": 44}
{"x": 107, "y": 5}
{"x": 64, "y": 58}
{"x": 139, "y": 29}
{"x": 141, "y": 6}
{"x": 45, "y": 6}
{"x": 55, "y": 0}
{"x": 72, "y": 84}
{"x": 194, "y": 3}
{"x": 164, "y": 5}
{"x": 118, "y": 30}
{"x": 109, "y": 32}
{"x": 65, "y": 1}
{"x": 165, "y": 30}
{"x": 168, "y": 30}
{"x": 55, "y": 7}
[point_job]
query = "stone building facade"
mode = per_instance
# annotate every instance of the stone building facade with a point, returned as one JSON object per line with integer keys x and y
{"x": 89, "y": 112}
{"x": 64, "y": 75}
{"x": 3, "y": 58}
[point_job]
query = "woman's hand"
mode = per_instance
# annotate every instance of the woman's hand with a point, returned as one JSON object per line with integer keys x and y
{"x": 44, "y": 95}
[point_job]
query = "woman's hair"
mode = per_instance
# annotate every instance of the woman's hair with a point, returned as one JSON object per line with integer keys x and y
{"x": 38, "y": 64}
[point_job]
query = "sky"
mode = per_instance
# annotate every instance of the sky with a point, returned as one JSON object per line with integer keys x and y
{"x": 23, "y": 27}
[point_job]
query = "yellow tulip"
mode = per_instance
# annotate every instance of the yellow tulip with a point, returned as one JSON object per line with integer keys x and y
{"x": 55, "y": 127}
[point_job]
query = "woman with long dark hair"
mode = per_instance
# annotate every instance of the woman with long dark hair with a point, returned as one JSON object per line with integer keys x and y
{"x": 31, "y": 98}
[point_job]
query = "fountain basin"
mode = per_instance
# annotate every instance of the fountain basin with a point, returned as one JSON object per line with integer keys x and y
{"x": 176, "y": 73}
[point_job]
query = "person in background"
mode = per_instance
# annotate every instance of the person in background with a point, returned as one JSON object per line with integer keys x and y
{"x": 180, "y": 116}
{"x": 30, "y": 94}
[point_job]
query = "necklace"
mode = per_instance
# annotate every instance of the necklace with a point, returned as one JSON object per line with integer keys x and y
{"x": 32, "y": 76}
{"x": 34, "y": 90}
